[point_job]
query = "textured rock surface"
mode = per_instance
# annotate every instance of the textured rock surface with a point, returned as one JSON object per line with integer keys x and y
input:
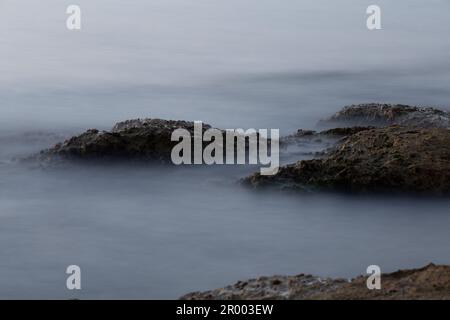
{"x": 392, "y": 159}
{"x": 147, "y": 139}
{"x": 276, "y": 287}
{"x": 374, "y": 114}
{"x": 430, "y": 282}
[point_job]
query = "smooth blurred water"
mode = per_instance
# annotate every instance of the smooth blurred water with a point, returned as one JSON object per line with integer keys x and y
{"x": 251, "y": 63}
{"x": 143, "y": 232}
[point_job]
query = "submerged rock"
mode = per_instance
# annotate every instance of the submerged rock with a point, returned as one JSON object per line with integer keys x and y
{"x": 429, "y": 282}
{"x": 374, "y": 114}
{"x": 394, "y": 159}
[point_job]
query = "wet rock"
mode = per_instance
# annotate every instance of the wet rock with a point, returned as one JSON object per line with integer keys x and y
{"x": 374, "y": 114}
{"x": 146, "y": 139}
{"x": 344, "y": 132}
{"x": 429, "y": 282}
{"x": 394, "y": 159}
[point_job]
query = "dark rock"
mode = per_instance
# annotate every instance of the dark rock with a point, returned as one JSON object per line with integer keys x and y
{"x": 140, "y": 139}
{"x": 343, "y": 132}
{"x": 374, "y": 114}
{"x": 386, "y": 160}
{"x": 147, "y": 139}
{"x": 155, "y": 125}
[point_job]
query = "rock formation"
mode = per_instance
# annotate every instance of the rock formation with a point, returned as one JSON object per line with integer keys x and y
{"x": 429, "y": 282}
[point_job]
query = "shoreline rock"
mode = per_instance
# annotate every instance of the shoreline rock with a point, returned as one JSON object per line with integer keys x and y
{"x": 429, "y": 282}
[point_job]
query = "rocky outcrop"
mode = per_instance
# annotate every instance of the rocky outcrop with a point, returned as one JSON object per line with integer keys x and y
{"x": 270, "y": 288}
{"x": 307, "y": 144}
{"x": 410, "y": 157}
{"x": 146, "y": 139}
{"x": 394, "y": 159}
{"x": 374, "y": 114}
{"x": 429, "y": 282}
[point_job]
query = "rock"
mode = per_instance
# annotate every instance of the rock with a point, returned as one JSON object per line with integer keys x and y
{"x": 155, "y": 125}
{"x": 429, "y": 282}
{"x": 147, "y": 139}
{"x": 374, "y": 114}
{"x": 394, "y": 159}
{"x": 270, "y": 288}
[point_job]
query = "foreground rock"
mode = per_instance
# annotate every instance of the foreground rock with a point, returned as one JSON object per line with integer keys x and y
{"x": 380, "y": 115}
{"x": 387, "y": 160}
{"x": 146, "y": 139}
{"x": 430, "y": 282}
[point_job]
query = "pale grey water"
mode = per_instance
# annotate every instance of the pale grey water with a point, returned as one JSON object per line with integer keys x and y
{"x": 158, "y": 232}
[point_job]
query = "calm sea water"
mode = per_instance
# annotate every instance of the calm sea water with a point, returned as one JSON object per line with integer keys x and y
{"x": 151, "y": 232}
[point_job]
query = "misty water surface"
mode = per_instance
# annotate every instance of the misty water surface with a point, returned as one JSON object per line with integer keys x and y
{"x": 154, "y": 232}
